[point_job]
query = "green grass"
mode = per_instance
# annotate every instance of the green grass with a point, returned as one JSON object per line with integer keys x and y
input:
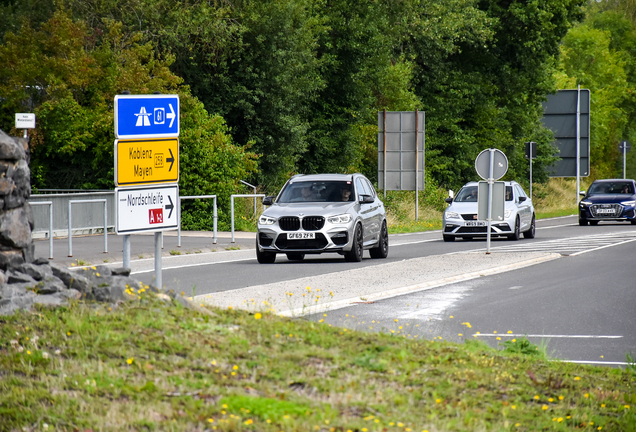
{"x": 152, "y": 365}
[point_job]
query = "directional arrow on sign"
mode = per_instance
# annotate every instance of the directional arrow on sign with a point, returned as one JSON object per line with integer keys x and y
{"x": 170, "y": 159}
{"x": 169, "y": 207}
{"x": 171, "y": 115}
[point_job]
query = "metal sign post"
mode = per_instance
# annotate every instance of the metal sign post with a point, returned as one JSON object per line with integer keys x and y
{"x": 531, "y": 153}
{"x": 25, "y": 121}
{"x": 491, "y": 165}
{"x": 624, "y": 147}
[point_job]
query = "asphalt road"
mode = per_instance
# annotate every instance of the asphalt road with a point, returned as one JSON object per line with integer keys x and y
{"x": 571, "y": 288}
{"x": 579, "y": 308}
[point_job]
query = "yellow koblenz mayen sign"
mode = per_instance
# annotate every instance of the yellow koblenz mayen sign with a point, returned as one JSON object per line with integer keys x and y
{"x": 146, "y": 161}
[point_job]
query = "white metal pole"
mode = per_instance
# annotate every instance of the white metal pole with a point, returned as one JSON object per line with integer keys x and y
{"x": 70, "y": 236}
{"x": 417, "y": 156}
{"x": 384, "y": 153}
{"x": 490, "y": 182}
{"x": 578, "y": 142}
{"x": 232, "y": 216}
{"x": 531, "y": 169}
{"x": 126, "y": 239}
{"x": 158, "y": 245}
{"x": 624, "y": 154}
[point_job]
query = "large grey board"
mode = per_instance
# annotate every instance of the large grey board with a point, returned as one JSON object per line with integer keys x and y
{"x": 559, "y": 115}
{"x": 400, "y": 150}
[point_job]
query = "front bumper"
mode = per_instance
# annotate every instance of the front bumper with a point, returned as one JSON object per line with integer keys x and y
{"x": 601, "y": 212}
{"x": 334, "y": 238}
{"x": 462, "y": 228}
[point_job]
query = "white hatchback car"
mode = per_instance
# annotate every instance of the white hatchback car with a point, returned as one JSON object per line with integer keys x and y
{"x": 460, "y": 217}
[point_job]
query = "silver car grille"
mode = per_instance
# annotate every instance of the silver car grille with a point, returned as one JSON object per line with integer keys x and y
{"x": 309, "y": 223}
{"x": 606, "y": 210}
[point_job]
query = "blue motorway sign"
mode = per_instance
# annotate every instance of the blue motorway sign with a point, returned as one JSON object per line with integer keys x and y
{"x": 146, "y": 116}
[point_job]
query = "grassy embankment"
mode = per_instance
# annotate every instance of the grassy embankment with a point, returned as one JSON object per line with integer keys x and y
{"x": 151, "y": 365}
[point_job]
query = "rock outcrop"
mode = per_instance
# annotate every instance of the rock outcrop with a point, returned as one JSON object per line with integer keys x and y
{"x": 16, "y": 216}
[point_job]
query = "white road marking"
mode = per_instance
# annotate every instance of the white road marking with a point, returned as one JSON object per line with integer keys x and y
{"x": 193, "y": 265}
{"x": 595, "y": 362}
{"x": 515, "y": 287}
{"x": 547, "y": 336}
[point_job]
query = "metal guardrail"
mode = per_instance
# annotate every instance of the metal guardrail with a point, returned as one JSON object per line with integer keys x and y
{"x": 232, "y": 205}
{"x": 50, "y": 204}
{"x": 70, "y": 223}
{"x": 214, "y": 216}
{"x": 86, "y": 222}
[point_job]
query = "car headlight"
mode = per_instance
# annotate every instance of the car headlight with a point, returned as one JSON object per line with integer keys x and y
{"x": 629, "y": 203}
{"x": 452, "y": 215}
{"x": 507, "y": 214}
{"x": 339, "y": 219}
{"x": 586, "y": 203}
{"x": 266, "y": 220}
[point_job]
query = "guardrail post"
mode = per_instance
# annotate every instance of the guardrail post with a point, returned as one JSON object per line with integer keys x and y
{"x": 50, "y": 229}
{"x": 70, "y": 223}
{"x": 232, "y": 207}
{"x": 196, "y": 197}
{"x": 215, "y": 218}
{"x": 105, "y": 227}
{"x": 232, "y": 216}
{"x": 70, "y": 232}
{"x": 179, "y": 216}
{"x": 50, "y": 204}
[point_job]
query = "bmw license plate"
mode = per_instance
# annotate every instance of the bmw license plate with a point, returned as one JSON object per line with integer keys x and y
{"x": 475, "y": 223}
{"x": 301, "y": 236}
{"x": 609, "y": 210}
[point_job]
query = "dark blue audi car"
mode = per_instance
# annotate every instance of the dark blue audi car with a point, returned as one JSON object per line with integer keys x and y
{"x": 608, "y": 200}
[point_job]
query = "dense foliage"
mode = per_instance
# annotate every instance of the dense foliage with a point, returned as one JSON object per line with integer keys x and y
{"x": 301, "y": 81}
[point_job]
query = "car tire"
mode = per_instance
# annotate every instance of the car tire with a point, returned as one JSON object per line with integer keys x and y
{"x": 593, "y": 223}
{"x": 264, "y": 257}
{"x": 382, "y": 250}
{"x": 296, "y": 256}
{"x": 355, "y": 254}
{"x": 532, "y": 231}
{"x": 516, "y": 234}
{"x": 448, "y": 238}
{"x": 633, "y": 222}
{"x": 582, "y": 222}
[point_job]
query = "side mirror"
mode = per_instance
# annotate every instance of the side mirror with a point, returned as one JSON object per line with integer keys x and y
{"x": 449, "y": 200}
{"x": 451, "y": 194}
{"x": 268, "y": 201}
{"x": 522, "y": 199}
{"x": 366, "y": 199}
{"x": 582, "y": 193}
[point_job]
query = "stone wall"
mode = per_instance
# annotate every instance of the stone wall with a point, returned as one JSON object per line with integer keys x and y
{"x": 16, "y": 216}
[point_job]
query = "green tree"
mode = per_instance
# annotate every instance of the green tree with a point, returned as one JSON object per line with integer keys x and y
{"x": 71, "y": 76}
{"x": 588, "y": 59}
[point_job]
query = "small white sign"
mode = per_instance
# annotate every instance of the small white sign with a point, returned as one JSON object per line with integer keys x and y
{"x": 147, "y": 209}
{"x": 24, "y": 121}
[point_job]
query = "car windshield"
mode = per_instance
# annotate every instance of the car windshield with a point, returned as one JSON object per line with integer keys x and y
{"x": 611, "y": 188}
{"x": 469, "y": 194}
{"x": 316, "y": 191}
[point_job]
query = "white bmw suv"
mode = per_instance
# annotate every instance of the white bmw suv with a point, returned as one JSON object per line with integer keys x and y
{"x": 320, "y": 213}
